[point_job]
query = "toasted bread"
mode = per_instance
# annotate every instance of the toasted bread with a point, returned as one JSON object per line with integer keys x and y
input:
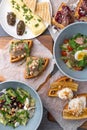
{"x": 62, "y": 82}
{"x": 58, "y": 25}
{"x": 77, "y": 9}
{"x": 84, "y": 18}
{"x": 39, "y": 71}
{"x": 43, "y": 10}
{"x": 15, "y": 59}
{"x": 68, "y": 113}
{"x": 62, "y": 24}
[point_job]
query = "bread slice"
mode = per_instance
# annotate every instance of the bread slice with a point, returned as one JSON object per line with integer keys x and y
{"x": 35, "y": 66}
{"x": 63, "y": 22}
{"x": 77, "y": 9}
{"x": 84, "y": 18}
{"x": 43, "y": 10}
{"x": 31, "y": 4}
{"x": 61, "y": 83}
{"x": 15, "y": 58}
{"x": 68, "y": 114}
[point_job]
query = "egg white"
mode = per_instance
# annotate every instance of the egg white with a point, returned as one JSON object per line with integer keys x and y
{"x": 79, "y": 55}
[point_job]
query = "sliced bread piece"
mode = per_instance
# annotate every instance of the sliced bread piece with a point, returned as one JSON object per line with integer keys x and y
{"x": 61, "y": 83}
{"x": 63, "y": 17}
{"x": 77, "y": 109}
{"x": 19, "y": 49}
{"x": 35, "y": 66}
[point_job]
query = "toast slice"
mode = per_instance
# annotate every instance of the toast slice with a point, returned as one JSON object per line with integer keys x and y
{"x": 81, "y": 9}
{"x": 71, "y": 115}
{"x": 43, "y": 10}
{"x": 61, "y": 83}
{"x": 35, "y": 66}
{"x": 19, "y": 49}
{"x": 63, "y": 17}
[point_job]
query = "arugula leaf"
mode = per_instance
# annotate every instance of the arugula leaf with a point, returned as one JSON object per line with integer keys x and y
{"x": 78, "y": 35}
{"x": 83, "y": 63}
{"x": 73, "y": 44}
{"x": 27, "y": 49}
{"x": 41, "y": 61}
{"x": 8, "y": 101}
{"x": 30, "y": 61}
{"x": 80, "y": 48}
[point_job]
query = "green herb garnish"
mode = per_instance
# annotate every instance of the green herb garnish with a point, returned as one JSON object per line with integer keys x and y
{"x": 13, "y": 2}
{"x": 30, "y": 61}
{"x": 36, "y": 25}
{"x": 40, "y": 63}
{"x": 28, "y": 17}
{"x": 39, "y": 20}
{"x": 17, "y": 7}
{"x": 26, "y": 47}
{"x": 73, "y": 44}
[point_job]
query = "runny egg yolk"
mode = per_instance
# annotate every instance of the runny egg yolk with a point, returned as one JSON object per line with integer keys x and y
{"x": 79, "y": 55}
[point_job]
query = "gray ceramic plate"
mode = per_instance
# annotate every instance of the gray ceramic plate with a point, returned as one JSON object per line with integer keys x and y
{"x": 68, "y": 32}
{"x": 35, "y": 121}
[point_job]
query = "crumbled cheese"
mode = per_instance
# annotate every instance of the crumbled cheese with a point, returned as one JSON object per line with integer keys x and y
{"x": 1, "y": 115}
{"x": 65, "y": 93}
{"x": 77, "y": 105}
{"x": 33, "y": 66}
{"x": 4, "y": 91}
{"x": 26, "y": 104}
{"x": 16, "y": 124}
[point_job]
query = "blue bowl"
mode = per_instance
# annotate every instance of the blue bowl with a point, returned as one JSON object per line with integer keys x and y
{"x": 66, "y": 33}
{"x": 34, "y": 122}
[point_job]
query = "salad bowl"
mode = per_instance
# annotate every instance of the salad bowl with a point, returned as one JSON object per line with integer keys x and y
{"x": 32, "y": 123}
{"x": 67, "y": 33}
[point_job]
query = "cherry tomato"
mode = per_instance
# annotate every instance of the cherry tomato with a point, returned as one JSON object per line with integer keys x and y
{"x": 78, "y": 68}
{"x": 63, "y": 53}
{"x": 69, "y": 48}
{"x": 66, "y": 41}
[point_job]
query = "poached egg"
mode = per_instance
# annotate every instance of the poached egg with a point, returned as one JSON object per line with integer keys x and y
{"x": 79, "y": 55}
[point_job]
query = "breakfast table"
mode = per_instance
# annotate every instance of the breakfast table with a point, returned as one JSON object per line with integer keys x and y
{"x": 46, "y": 123}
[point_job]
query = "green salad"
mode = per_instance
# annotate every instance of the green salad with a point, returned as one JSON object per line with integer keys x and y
{"x": 17, "y": 106}
{"x": 74, "y": 52}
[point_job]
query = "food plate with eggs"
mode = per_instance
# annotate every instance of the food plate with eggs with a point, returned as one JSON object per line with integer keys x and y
{"x": 70, "y": 51}
{"x": 22, "y": 21}
{"x": 74, "y": 52}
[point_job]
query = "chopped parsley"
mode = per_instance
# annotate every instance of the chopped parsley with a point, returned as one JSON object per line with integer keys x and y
{"x": 39, "y": 20}
{"x": 13, "y": 2}
{"x": 36, "y": 25}
{"x": 28, "y": 17}
{"x": 17, "y": 7}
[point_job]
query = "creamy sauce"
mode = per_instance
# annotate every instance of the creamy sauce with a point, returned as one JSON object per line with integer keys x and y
{"x": 34, "y": 22}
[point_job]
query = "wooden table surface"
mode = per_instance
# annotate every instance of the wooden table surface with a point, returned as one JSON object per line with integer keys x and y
{"x": 47, "y": 41}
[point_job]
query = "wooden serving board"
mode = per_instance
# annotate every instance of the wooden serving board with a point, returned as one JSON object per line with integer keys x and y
{"x": 47, "y": 41}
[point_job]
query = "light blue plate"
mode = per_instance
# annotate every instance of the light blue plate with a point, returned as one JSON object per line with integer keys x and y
{"x": 34, "y": 122}
{"x": 68, "y": 32}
